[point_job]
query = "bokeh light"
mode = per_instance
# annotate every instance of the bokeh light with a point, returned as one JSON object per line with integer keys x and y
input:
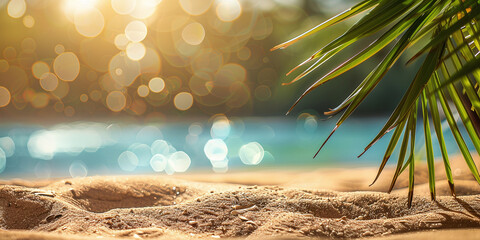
{"x": 84, "y": 98}
{"x": 244, "y": 53}
{"x": 16, "y": 8}
{"x": 123, "y": 6}
{"x": 10, "y": 53}
{"x": 195, "y": 7}
{"x": 179, "y": 161}
{"x": 143, "y": 90}
{"x": 67, "y": 66}
{"x": 193, "y": 33}
{"x": 4, "y": 96}
{"x": 78, "y": 169}
{"x": 128, "y": 161}
{"x": 195, "y": 129}
{"x": 59, "y": 49}
{"x": 144, "y": 8}
{"x": 89, "y": 23}
{"x": 4, "y": 65}
{"x": 310, "y": 124}
{"x": 123, "y": 70}
{"x": 3, "y": 160}
{"x": 72, "y": 139}
{"x": 95, "y": 95}
{"x": 121, "y": 41}
{"x": 40, "y": 100}
{"x": 161, "y": 147}
{"x": 136, "y": 31}
{"x": 8, "y": 146}
{"x": 215, "y": 150}
{"x": 139, "y": 58}
{"x": 136, "y": 51}
{"x": 263, "y": 93}
{"x": 49, "y": 81}
{"x": 72, "y": 7}
{"x": 29, "y": 45}
{"x": 39, "y": 68}
{"x": 28, "y": 21}
{"x": 148, "y": 134}
{"x": 143, "y": 153}
{"x": 156, "y": 84}
{"x": 173, "y": 69}
{"x": 228, "y": 10}
{"x": 62, "y": 90}
{"x": 69, "y": 111}
{"x": 183, "y": 101}
{"x": 116, "y": 101}
{"x": 158, "y": 162}
{"x": 220, "y": 128}
{"x": 251, "y": 153}
{"x": 220, "y": 166}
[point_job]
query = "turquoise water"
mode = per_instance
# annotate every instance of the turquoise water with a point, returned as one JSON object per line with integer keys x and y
{"x": 217, "y": 145}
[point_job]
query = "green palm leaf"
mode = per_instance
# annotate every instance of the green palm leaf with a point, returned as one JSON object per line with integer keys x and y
{"x": 357, "y": 9}
{"x": 432, "y": 101}
{"x": 449, "y": 32}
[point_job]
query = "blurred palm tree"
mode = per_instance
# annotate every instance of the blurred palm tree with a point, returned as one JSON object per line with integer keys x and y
{"x": 447, "y": 33}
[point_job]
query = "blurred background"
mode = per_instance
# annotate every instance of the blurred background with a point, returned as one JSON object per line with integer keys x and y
{"x": 142, "y": 86}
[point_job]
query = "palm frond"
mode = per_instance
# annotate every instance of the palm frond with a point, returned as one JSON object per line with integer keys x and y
{"x": 449, "y": 32}
{"x": 357, "y": 9}
{"x": 432, "y": 101}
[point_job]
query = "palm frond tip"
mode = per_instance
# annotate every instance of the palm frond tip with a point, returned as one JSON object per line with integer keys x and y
{"x": 449, "y": 32}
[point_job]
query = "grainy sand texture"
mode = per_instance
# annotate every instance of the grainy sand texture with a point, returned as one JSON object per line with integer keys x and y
{"x": 300, "y": 203}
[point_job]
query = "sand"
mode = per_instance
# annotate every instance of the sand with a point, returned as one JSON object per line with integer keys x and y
{"x": 278, "y": 203}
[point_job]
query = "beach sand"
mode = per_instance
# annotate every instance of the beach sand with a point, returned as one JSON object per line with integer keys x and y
{"x": 263, "y": 204}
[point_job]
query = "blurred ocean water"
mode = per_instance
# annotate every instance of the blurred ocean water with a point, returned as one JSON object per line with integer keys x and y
{"x": 216, "y": 145}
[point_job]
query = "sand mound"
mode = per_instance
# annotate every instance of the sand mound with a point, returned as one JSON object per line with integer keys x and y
{"x": 151, "y": 207}
{"x": 286, "y": 203}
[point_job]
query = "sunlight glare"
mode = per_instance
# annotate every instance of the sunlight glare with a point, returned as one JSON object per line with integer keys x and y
{"x": 228, "y": 10}
{"x": 78, "y": 5}
{"x": 123, "y": 7}
{"x": 89, "y": 22}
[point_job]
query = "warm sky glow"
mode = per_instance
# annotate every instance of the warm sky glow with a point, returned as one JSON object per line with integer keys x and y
{"x": 78, "y": 6}
{"x": 137, "y": 56}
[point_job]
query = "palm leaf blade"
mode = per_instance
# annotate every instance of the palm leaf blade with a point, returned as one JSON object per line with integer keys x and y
{"x": 428, "y": 146}
{"x": 357, "y": 9}
{"x": 432, "y": 101}
{"x": 456, "y": 132}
